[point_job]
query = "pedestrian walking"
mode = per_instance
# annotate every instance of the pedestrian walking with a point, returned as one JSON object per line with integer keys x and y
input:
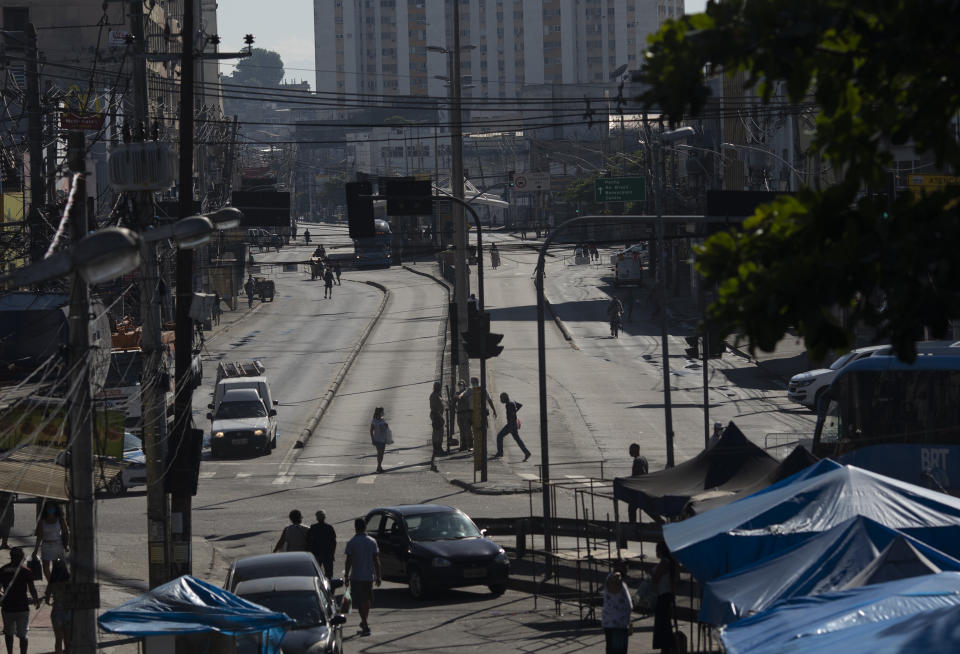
{"x": 6, "y": 518}
{"x": 16, "y": 580}
{"x": 322, "y": 540}
{"x": 512, "y": 427}
{"x": 475, "y": 391}
{"x": 248, "y": 288}
{"x": 615, "y": 616}
{"x": 464, "y": 407}
{"x": 293, "y": 235}
{"x": 293, "y": 538}
{"x": 217, "y": 310}
{"x": 436, "y": 418}
{"x": 362, "y": 571}
{"x": 306, "y": 236}
{"x": 336, "y": 271}
{"x": 53, "y": 536}
{"x": 638, "y": 467}
{"x": 665, "y": 581}
{"x": 380, "y": 435}
{"x": 328, "y": 283}
{"x": 61, "y": 617}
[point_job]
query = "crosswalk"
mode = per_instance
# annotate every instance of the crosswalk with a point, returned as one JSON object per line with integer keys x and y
{"x": 287, "y": 476}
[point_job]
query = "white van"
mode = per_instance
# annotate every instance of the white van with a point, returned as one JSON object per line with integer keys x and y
{"x": 260, "y": 384}
{"x": 807, "y": 387}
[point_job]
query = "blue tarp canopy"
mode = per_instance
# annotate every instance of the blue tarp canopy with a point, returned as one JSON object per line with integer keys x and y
{"x": 737, "y": 535}
{"x": 188, "y": 605}
{"x": 730, "y": 464}
{"x": 918, "y": 614}
{"x": 855, "y": 553}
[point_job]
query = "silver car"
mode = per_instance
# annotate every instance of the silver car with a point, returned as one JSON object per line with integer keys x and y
{"x": 318, "y": 626}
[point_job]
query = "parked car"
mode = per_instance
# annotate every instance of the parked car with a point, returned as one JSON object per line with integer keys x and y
{"x": 431, "y": 546}
{"x": 806, "y": 387}
{"x": 278, "y": 564}
{"x": 318, "y": 625}
{"x": 241, "y": 420}
{"x": 118, "y": 475}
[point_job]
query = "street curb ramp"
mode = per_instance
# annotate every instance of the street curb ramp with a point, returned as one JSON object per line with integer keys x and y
{"x": 334, "y": 386}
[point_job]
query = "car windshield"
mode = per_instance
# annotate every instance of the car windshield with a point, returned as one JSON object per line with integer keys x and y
{"x": 440, "y": 526}
{"x": 842, "y": 361}
{"x": 131, "y": 442}
{"x": 301, "y": 605}
{"x": 230, "y": 410}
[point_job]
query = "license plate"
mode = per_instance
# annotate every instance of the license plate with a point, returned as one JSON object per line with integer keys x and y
{"x": 239, "y": 441}
{"x": 474, "y": 573}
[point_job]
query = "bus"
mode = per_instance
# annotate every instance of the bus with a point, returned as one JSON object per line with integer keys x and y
{"x": 376, "y": 250}
{"x": 894, "y": 418}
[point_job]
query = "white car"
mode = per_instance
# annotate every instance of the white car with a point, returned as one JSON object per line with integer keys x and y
{"x": 807, "y": 387}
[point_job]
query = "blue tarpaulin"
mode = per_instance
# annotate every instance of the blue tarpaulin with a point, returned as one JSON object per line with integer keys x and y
{"x": 918, "y": 614}
{"x": 737, "y": 535}
{"x": 857, "y": 552}
{"x": 188, "y": 605}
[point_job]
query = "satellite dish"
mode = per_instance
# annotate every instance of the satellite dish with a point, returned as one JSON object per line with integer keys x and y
{"x": 618, "y": 72}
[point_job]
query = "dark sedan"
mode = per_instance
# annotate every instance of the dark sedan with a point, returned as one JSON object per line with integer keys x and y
{"x": 430, "y": 546}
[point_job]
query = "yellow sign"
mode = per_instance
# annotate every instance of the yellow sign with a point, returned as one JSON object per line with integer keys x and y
{"x": 933, "y": 182}
{"x": 11, "y": 207}
{"x": 44, "y": 422}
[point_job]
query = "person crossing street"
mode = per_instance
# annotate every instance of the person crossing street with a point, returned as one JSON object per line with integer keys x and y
{"x": 512, "y": 427}
{"x": 436, "y": 418}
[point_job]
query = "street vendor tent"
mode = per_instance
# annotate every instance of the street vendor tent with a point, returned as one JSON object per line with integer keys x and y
{"x": 855, "y": 553}
{"x": 189, "y": 606}
{"x": 736, "y": 535}
{"x": 799, "y": 459}
{"x": 732, "y": 463}
{"x": 918, "y": 614}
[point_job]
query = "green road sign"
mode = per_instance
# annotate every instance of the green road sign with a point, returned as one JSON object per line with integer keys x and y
{"x": 620, "y": 189}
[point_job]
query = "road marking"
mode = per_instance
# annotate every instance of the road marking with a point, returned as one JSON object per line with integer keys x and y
{"x": 208, "y": 475}
{"x": 283, "y": 479}
{"x": 325, "y": 479}
{"x": 366, "y": 479}
{"x": 530, "y": 476}
{"x": 243, "y": 475}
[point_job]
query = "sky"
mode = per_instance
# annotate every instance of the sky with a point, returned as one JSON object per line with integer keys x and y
{"x": 289, "y": 31}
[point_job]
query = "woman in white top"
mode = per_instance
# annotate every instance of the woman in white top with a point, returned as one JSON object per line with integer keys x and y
{"x": 615, "y": 618}
{"x": 53, "y": 537}
{"x": 380, "y": 435}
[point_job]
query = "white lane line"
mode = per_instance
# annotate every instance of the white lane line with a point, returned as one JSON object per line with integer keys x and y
{"x": 244, "y": 475}
{"x": 282, "y": 479}
{"x": 325, "y": 479}
{"x": 529, "y": 475}
{"x": 366, "y": 479}
{"x": 208, "y": 475}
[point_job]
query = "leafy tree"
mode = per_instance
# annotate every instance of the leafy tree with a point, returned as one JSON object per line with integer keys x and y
{"x": 882, "y": 73}
{"x": 262, "y": 68}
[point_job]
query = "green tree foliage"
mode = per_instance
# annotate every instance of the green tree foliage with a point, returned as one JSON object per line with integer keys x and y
{"x": 263, "y": 68}
{"x": 882, "y": 74}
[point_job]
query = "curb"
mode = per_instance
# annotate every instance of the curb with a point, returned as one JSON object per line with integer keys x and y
{"x": 334, "y": 386}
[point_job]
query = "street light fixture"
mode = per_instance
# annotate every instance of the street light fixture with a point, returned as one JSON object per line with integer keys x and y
{"x": 106, "y": 254}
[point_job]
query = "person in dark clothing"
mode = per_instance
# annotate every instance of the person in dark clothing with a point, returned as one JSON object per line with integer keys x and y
{"x": 16, "y": 580}
{"x": 248, "y": 289}
{"x": 436, "y": 418}
{"x": 306, "y": 236}
{"x": 336, "y": 271}
{"x": 328, "y": 283}
{"x": 665, "y": 577}
{"x": 639, "y": 467}
{"x": 512, "y": 427}
{"x": 322, "y": 540}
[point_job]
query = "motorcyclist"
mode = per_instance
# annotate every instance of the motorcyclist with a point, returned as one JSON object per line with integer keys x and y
{"x": 615, "y": 313}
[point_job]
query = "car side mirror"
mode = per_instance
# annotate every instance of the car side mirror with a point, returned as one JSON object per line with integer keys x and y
{"x": 209, "y": 416}
{"x": 273, "y": 412}
{"x": 276, "y": 403}
{"x": 210, "y": 406}
{"x": 339, "y": 619}
{"x": 483, "y": 532}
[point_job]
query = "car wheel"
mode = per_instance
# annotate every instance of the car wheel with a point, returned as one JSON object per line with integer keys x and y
{"x": 115, "y": 486}
{"x": 273, "y": 443}
{"x": 498, "y": 589}
{"x": 418, "y": 585}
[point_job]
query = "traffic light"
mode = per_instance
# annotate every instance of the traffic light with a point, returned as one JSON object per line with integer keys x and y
{"x": 360, "y": 209}
{"x": 407, "y": 196}
{"x": 478, "y": 341}
{"x": 510, "y": 174}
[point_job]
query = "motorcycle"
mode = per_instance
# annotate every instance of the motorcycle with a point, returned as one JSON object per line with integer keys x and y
{"x": 495, "y": 259}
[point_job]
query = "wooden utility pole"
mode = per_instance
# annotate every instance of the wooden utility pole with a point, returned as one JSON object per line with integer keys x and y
{"x": 84, "y": 595}
{"x": 38, "y": 245}
{"x": 153, "y": 388}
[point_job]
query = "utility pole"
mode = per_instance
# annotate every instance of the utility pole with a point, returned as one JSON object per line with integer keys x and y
{"x": 461, "y": 287}
{"x": 180, "y": 497}
{"x": 84, "y": 595}
{"x": 152, "y": 392}
{"x": 35, "y": 138}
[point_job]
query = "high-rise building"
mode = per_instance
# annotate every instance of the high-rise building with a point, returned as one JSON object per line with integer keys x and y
{"x": 380, "y": 46}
